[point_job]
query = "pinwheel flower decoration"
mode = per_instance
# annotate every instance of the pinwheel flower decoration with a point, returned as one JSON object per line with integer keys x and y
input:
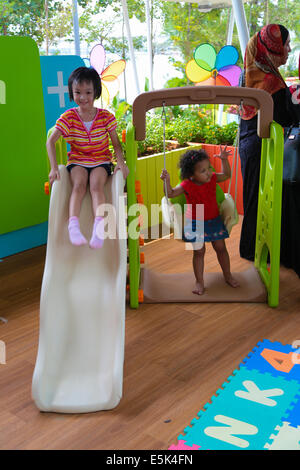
{"x": 109, "y": 75}
{"x": 210, "y": 68}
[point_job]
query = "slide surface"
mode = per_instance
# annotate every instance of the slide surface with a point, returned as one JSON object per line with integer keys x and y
{"x": 79, "y": 366}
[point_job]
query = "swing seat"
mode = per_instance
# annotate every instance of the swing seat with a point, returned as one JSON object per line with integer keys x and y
{"x": 228, "y": 212}
{"x": 174, "y": 219}
{"x": 172, "y": 216}
{"x": 168, "y": 212}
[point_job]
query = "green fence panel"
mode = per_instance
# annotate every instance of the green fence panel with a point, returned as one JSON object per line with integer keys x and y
{"x": 23, "y": 166}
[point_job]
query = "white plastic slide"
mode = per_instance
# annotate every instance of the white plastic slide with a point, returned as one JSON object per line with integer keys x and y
{"x": 79, "y": 366}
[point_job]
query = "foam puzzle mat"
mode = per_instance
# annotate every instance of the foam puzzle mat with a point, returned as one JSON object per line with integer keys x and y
{"x": 257, "y": 408}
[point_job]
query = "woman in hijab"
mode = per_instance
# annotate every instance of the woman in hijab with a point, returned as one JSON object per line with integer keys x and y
{"x": 266, "y": 51}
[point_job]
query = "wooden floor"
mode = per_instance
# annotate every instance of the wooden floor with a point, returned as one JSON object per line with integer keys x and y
{"x": 176, "y": 356}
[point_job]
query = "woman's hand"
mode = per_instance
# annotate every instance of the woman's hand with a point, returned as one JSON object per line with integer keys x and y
{"x": 224, "y": 154}
{"x": 124, "y": 168}
{"x": 54, "y": 175}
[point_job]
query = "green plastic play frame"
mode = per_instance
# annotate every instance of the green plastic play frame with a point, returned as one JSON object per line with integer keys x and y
{"x": 270, "y": 188}
{"x": 268, "y": 230}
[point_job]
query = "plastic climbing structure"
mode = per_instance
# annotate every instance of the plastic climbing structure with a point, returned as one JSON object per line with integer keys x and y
{"x": 270, "y": 187}
{"x": 268, "y": 229}
{"x": 134, "y": 196}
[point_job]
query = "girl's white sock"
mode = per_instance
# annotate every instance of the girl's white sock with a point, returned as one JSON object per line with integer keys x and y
{"x": 98, "y": 233}
{"x": 75, "y": 235}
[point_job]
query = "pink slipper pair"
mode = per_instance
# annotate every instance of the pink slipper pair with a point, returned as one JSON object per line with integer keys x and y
{"x": 76, "y": 237}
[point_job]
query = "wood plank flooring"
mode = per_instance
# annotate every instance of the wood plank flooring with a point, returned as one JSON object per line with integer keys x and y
{"x": 176, "y": 356}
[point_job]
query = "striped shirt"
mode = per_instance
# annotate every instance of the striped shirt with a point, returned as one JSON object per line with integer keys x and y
{"x": 88, "y": 148}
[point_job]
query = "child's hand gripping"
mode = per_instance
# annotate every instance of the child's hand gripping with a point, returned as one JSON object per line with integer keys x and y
{"x": 166, "y": 179}
{"x": 165, "y": 176}
{"x": 124, "y": 169}
{"x": 54, "y": 175}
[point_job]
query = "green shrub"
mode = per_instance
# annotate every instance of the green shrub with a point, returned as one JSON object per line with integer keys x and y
{"x": 153, "y": 142}
{"x": 183, "y": 124}
{"x": 184, "y": 130}
{"x": 229, "y": 133}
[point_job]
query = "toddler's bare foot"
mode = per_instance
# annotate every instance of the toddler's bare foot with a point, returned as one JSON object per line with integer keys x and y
{"x": 231, "y": 281}
{"x": 199, "y": 288}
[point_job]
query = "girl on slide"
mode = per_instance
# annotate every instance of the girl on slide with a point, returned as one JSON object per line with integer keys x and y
{"x": 87, "y": 129}
{"x": 199, "y": 186}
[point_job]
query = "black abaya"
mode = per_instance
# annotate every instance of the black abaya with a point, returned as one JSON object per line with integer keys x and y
{"x": 250, "y": 150}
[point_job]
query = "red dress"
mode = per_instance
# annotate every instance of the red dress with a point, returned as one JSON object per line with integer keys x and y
{"x": 202, "y": 227}
{"x": 201, "y": 194}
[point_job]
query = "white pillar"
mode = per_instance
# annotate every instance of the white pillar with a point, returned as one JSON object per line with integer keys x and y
{"x": 228, "y": 42}
{"x": 230, "y": 27}
{"x": 131, "y": 50}
{"x": 149, "y": 44}
{"x": 241, "y": 23}
{"x": 76, "y": 28}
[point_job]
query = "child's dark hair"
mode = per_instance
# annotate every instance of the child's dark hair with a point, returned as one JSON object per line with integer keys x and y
{"x": 188, "y": 161}
{"x": 85, "y": 74}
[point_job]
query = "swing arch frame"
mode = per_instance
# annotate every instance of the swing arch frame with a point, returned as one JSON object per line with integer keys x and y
{"x": 270, "y": 185}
